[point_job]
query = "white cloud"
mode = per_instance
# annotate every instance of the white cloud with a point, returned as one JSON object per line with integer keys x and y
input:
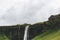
{"x": 27, "y": 11}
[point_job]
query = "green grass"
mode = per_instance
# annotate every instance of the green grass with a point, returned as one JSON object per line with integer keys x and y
{"x": 3, "y": 37}
{"x": 50, "y": 35}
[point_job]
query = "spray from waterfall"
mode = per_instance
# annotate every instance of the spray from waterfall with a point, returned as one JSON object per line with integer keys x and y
{"x": 26, "y": 32}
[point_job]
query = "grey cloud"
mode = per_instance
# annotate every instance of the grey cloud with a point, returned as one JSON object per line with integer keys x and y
{"x": 27, "y": 11}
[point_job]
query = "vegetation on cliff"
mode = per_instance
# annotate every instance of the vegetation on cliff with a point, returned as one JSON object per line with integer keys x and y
{"x": 49, "y": 35}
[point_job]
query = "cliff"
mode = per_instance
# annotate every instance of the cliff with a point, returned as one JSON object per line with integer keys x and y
{"x": 16, "y": 32}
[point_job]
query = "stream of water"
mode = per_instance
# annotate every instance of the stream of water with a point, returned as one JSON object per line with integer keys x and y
{"x": 26, "y": 32}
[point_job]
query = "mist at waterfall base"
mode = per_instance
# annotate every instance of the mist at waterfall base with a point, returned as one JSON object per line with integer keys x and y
{"x": 27, "y": 11}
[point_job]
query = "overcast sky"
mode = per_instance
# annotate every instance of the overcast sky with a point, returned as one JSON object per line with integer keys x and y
{"x": 27, "y": 11}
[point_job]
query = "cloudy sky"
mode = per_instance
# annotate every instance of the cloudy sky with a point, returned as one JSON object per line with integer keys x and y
{"x": 27, "y": 11}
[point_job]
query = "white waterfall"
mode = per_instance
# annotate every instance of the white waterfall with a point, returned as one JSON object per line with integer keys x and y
{"x": 26, "y": 32}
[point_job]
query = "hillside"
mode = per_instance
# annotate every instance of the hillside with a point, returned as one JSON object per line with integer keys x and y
{"x": 55, "y": 35}
{"x": 3, "y": 37}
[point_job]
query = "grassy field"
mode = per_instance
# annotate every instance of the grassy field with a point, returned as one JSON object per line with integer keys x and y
{"x": 50, "y": 35}
{"x": 3, "y": 37}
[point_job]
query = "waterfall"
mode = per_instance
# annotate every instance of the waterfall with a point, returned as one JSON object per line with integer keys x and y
{"x": 26, "y": 32}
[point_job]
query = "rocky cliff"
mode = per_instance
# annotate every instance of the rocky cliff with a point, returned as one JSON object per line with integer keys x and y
{"x": 16, "y": 32}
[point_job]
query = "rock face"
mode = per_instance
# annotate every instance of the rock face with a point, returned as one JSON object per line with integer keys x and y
{"x": 17, "y": 32}
{"x": 14, "y": 32}
{"x": 36, "y": 29}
